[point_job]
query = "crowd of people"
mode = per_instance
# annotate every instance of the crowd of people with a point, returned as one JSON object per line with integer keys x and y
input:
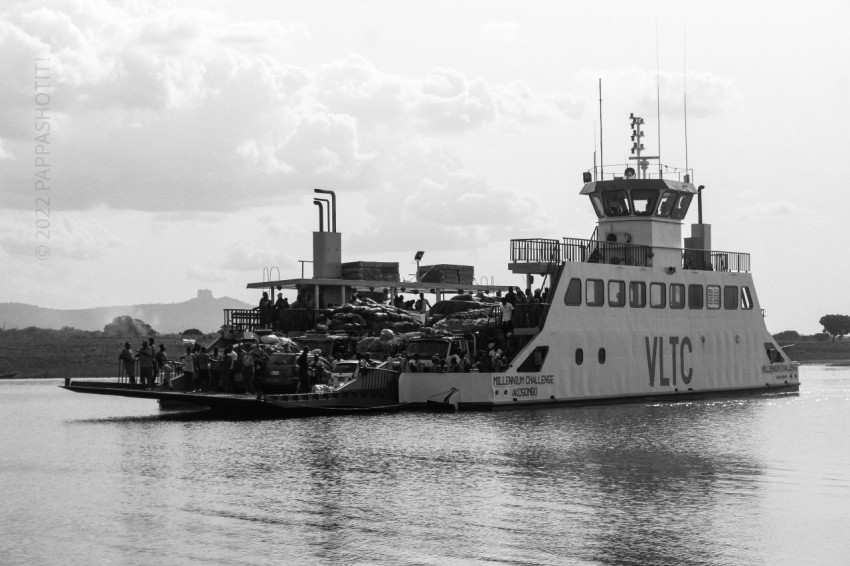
{"x": 151, "y": 362}
{"x": 217, "y": 371}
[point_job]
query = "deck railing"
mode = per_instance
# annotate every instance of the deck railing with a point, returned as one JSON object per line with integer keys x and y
{"x": 288, "y": 320}
{"x": 540, "y": 250}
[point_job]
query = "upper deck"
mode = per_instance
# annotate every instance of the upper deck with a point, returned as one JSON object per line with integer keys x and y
{"x": 639, "y": 223}
{"x": 541, "y": 255}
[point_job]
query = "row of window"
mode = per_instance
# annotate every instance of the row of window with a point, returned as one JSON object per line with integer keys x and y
{"x": 641, "y": 202}
{"x": 661, "y": 295}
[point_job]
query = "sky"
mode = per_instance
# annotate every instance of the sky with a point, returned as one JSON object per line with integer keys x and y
{"x": 151, "y": 149}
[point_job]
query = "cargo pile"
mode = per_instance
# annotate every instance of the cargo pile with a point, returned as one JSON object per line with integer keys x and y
{"x": 371, "y": 271}
{"x": 388, "y": 343}
{"x": 444, "y": 273}
{"x": 469, "y": 320}
{"x": 368, "y": 317}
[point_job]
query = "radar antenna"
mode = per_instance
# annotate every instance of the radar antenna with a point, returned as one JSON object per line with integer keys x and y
{"x": 642, "y": 161}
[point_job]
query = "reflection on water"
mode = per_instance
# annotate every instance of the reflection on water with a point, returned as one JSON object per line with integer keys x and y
{"x": 733, "y": 481}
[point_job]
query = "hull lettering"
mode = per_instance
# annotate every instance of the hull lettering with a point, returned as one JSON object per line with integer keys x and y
{"x": 680, "y": 353}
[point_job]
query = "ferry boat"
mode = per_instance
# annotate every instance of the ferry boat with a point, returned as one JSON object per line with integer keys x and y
{"x": 632, "y": 314}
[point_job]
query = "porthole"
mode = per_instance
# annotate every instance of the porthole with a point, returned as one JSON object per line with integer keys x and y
{"x": 601, "y": 355}
{"x": 579, "y": 356}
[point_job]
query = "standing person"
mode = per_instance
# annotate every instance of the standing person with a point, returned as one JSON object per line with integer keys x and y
{"x": 188, "y": 369}
{"x": 465, "y": 364}
{"x": 248, "y": 372}
{"x": 145, "y": 366}
{"x": 280, "y": 306}
{"x": 303, "y": 375}
{"x": 129, "y": 358}
{"x": 422, "y": 304}
{"x": 318, "y": 371}
{"x": 203, "y": 377}
{"x": 266, "y": 309}
{"x": 258, "y": 355}
{"x": 161, "y": 360}
{"x": 152, "y": 346}
{"x": 511, "y": 296}
{"x": 227, "y": 370}
{"x": 234, "y": 369}
{"x": 507, "y": 318}
{"x": 217, "y": 383}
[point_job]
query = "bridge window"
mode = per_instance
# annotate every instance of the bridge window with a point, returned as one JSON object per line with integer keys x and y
{"x": 598, "y": 208}
{"x": 695, "y": 297}
{"x": 573, "y": 296}
{"x": 746, "y": 299}
{"x": 617, "y": 293}
{"x": 730, "y": 297}
{"x": 579, "y": 356}
{"x": 637, "y": 294}
{"x": 712, "y": 296}
{"x": 657, "y": 295}
{"x": 595, "y": 292}
{"x": 677, "y": 296}
{"x": 616, "y": 203}
{"x": 601, "y": 355}
{"x": 682, "y": 204}
{"x": 665, "y": 204}
{"x": 644, "y": 201}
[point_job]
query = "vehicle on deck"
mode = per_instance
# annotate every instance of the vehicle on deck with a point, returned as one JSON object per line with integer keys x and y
{"x": 444, "y": 347}
{"x": 279, "y": 374}
{"x": 342, "y": 372}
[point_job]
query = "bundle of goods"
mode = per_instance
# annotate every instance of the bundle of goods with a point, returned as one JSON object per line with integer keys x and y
{"x": 467, "y": 321}
{"x": 388, "y": 343}
{"x": 369, "y": 317}
{"x": 445, "y": 308}
{"x": 371, "y": 271}
{"x": 443, "y": 273}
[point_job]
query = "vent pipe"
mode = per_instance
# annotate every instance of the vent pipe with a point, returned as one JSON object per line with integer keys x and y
{"x": 331, "y": 225}
{"x": 318, "y": 202}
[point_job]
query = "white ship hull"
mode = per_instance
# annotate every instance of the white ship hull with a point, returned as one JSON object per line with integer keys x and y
{"x": 626, "y": 352}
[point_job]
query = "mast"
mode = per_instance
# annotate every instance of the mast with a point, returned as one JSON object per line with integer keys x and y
{"x": 685, "y": 96}
{"x": 658, "y": 97}
{"x": 601, "y": 155}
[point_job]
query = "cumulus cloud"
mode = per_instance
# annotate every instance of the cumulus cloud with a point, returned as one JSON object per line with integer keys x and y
{"x": 708, "y": 94}
{"x": 176, "y": 108}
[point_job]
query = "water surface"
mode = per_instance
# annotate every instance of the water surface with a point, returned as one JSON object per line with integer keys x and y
{"x": 104, "y": 480}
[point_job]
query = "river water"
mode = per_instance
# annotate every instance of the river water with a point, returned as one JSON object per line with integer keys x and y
{"x": 103, "y": 480}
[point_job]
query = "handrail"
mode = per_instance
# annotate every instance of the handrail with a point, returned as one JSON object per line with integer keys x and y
{"x": 543, "y": 250}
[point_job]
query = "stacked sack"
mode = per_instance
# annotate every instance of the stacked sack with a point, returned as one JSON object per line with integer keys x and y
{"x": 387, "y": 343}
{"x": 368, "y": 317}
{"x": 469, "y": 320}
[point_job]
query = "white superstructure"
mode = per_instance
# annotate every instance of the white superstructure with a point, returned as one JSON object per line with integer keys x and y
{"x": 632, "y": 313}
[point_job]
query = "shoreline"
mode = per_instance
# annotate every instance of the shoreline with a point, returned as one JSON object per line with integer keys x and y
{"x": 844, "y": 362}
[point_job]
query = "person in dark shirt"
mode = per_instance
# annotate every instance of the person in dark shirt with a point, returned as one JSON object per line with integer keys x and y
{"x": 161, "y": 359}
{"x": 266, "y": 309}
{"x": 303, "y": 373}
{"x": 128, "y": 357}
{"x": 145, "y": 357}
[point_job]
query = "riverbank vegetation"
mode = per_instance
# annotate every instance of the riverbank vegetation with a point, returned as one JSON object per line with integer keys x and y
{"x": 70, "y": 352}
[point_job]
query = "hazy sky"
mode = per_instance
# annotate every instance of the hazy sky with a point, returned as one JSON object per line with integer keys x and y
{"x": 163, "y": 147}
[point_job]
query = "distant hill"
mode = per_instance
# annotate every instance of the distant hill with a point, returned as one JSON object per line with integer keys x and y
{"x": 203, "y": 313}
